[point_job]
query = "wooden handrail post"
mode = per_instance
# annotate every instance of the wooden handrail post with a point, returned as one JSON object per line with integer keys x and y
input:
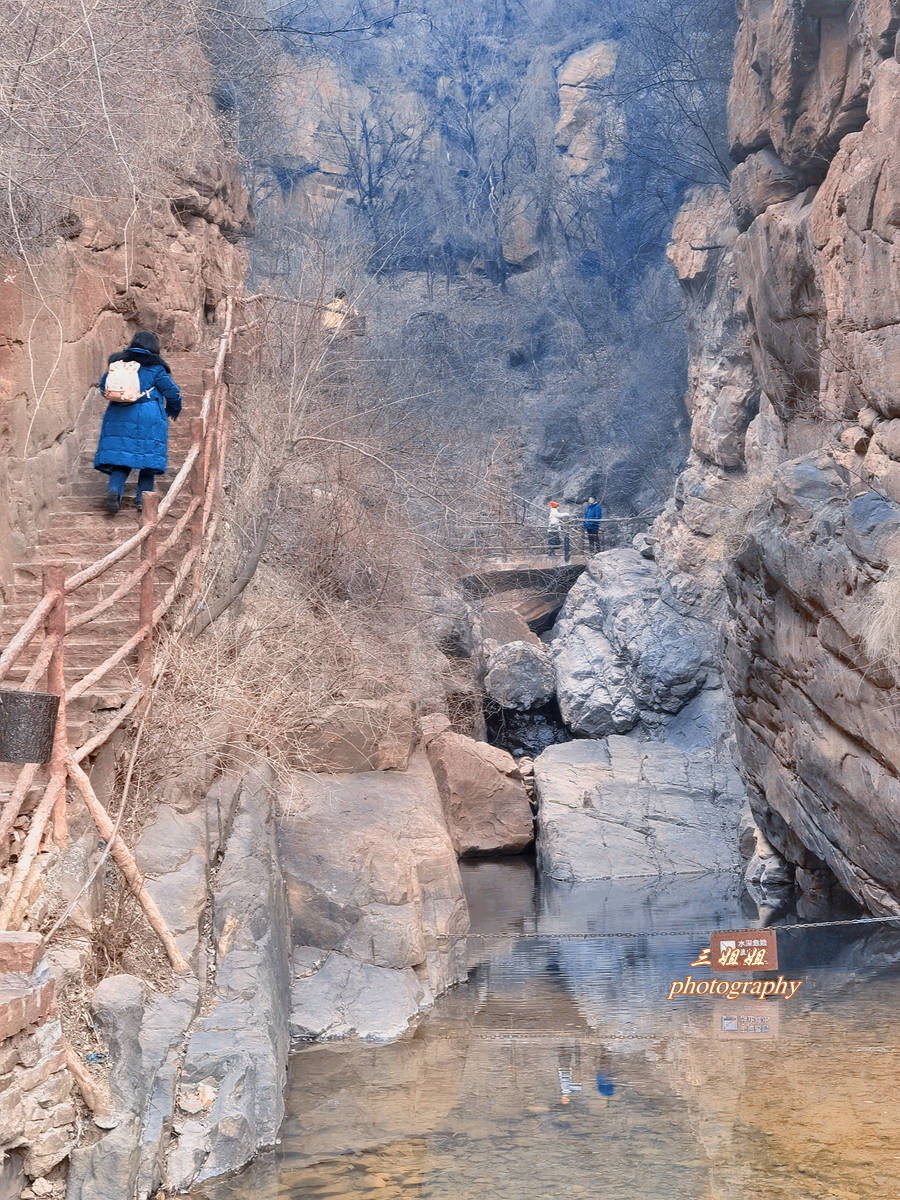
{"x": 54, "y": 581}
{"x": 207, "y": 434}
{"x": 124, "y": 860}
{"x": 150, "y": 517}
{"x": 221, "y": 445}
{"x": 198, "y": 479}
{"x": 198, "y": 492}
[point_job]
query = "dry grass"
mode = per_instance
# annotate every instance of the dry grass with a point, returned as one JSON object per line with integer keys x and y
{"x": 880, "y": 619}
{"x": 82, "y": 84}
{"x": 354, "y": 594}
{"x": 257, "y": 683}
{"x": 746, "y": 496}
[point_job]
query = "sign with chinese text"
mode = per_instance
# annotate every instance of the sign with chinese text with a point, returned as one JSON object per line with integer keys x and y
{"x": 746, "y": 1019}
{"x": 744, "y": 950}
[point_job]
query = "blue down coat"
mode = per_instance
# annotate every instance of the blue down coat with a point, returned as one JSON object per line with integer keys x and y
{"x": 593, "y": 515}
{"x": 137, "y": 435}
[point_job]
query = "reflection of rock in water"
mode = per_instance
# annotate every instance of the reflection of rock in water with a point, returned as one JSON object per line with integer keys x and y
{"x": 809, "y": 1115}
{"x": 561, "y": 1071}
{"x": 681, "y": 902}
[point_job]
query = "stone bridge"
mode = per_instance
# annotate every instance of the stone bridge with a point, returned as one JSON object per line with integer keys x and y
{"x": 523, "y": 589}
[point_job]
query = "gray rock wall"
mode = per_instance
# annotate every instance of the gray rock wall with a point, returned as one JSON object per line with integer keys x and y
{"x": 197, "y": 1074}
{"x": 817, "y": 723}
{"x": 233, "y": 1073}
{"x": 795, "y": 513}
{"x": 377, "y": 912}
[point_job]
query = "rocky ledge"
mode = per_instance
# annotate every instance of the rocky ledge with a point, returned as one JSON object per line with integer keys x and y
{"x": 378, "y": 916}
{"x": 623, "y": 806}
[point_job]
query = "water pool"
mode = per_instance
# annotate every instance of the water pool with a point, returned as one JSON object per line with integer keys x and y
{"x": 562, "y": 1070}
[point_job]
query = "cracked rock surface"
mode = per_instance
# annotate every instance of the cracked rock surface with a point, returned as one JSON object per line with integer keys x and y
{"x": 618, "y": 807}
{"x": 627, "y": 649}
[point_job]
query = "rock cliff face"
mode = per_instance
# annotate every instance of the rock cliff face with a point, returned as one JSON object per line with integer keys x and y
{"x": 480, "y": 161}
{"x": 791, "y": 500}
{"x": 78, "y": 300}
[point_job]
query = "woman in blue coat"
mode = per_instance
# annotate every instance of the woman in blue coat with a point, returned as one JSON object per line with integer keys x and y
{"x": 135, "y": 437}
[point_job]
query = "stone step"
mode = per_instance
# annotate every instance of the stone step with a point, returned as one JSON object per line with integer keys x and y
{"x": 88, "y": 519}
{"x": 78, "y": 660}
{"x": 92, "y": 487}
{"x": 30, "y": 574}
{"x": 89, "y": 513}
{"x": 120, "y": 616}
{"x": 82, "y": 547}
{"x": 77, "y": 533}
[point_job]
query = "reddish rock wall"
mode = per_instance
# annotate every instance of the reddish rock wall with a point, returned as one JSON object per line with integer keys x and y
{"x": 79, "y": 298}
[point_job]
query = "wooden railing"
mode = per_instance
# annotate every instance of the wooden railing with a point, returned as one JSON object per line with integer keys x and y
{"x": 201, "y": 474}
{"x": 529, "y": 539}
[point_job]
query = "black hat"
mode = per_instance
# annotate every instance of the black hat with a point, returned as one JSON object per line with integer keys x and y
{"x": 143, "y": 340}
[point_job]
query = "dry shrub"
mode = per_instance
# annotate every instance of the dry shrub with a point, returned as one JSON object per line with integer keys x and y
{"x": 82, "y": 86}
{"x": 359, "y": 514}
{"x": 746, "y": 496}
{"x": 269, "y": 675}
{"x": 880, "y": 619}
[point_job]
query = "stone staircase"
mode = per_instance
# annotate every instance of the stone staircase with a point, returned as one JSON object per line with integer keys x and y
{"x": 79, "y": 532}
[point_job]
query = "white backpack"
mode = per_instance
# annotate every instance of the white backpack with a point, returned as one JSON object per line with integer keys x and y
{"x": 123, "y": 382}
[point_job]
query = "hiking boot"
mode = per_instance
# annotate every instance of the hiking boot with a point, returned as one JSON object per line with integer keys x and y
{"x": 139, "y": 503}
{"x": 113, "y": 502}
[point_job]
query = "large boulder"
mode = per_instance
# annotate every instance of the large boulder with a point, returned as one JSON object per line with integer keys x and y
{"x": 620, "y": 807}
{"x": 626, "y": 648}
{"x": 520, "y": 675}
{"x": 484, "y": 797}
{"x": 372, "y": 876}
{"x": 362, "y": 735}
{"x": 761, "y": 180}
{"x": 234, "y": 1067}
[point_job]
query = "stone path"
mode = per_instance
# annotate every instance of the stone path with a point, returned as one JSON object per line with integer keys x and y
{"x": 77, "y": 533}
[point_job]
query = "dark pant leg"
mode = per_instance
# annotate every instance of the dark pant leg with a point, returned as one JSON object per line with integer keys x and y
{"x": 593, "y": 541}
{"x": 146, "y": 482}
{"x": 117, "y": 477}
{"x": 567, "y": 546}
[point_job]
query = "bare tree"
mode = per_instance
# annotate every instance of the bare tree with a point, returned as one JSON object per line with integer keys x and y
{"x": 81, "y": 89}
{"x": 672, "y": 81}
{"x": 382, "y": 152}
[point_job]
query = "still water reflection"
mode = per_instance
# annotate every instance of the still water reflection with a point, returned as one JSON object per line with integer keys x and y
{"x": 561, "y": 1070}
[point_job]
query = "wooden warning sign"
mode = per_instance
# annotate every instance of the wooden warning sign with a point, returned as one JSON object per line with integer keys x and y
{"x": 744, "y": 950}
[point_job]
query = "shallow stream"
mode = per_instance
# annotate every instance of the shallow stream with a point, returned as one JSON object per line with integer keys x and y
{"x": 562, "y": 1070}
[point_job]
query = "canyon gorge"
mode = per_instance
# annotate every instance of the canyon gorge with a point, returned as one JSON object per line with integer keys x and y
{"x": 648, "y": 256}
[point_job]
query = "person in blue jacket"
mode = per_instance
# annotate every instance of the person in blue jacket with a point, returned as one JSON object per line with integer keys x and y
{"x": 135, "y": 437}
{"x": 593, "y": 515}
